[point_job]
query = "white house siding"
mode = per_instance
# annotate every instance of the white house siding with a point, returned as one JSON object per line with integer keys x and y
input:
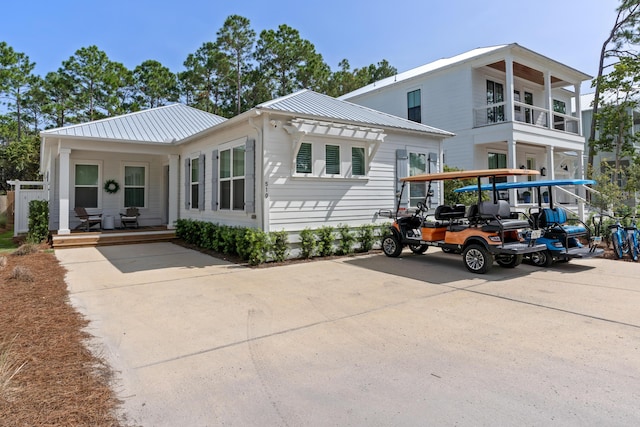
{"x": 206, "y": 146}
{"x": 296, "y": 203}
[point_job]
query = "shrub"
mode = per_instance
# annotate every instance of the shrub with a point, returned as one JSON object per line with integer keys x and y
{"x": 365, "y": 235}
{"x": 255, "y": 244}
{"x": 307, "y": 243}
{"x": 3, "y": 220}
{"x": 347, "y": 239}
{"x": 38, "y": 221}
{"x": 278, "y": 245}
{"x": 325, "y": 239}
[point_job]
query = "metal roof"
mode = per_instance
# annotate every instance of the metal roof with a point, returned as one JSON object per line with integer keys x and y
{"x": 446, "y": 62}
{"x": 168, "y": 124}
{"x": 423, "y": 69}
{"x": 315, "y": 105}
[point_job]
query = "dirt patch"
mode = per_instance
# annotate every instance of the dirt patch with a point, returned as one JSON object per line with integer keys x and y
{"x": 60, "y": 381}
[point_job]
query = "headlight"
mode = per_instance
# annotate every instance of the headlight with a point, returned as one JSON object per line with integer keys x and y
{"x": 557, "y": 244}
{"x": 494, "y": 238}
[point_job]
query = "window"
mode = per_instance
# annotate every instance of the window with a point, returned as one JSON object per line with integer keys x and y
{"x": 134, "y": 186}
{"x": 303, "y": 159}
{"x": 232, "y": 178}
{"x": 414, "y": 110}
{"x": 87, "y": 179}
{"x": 417, "y": 166}
{"x": 498, "y": 161}
{"x": 357, "y": 161}
{"x": 195, "y": 187}
{"x": 528, "y": 112}
{"x": 559, "y": 107}
{"x": 332, "y": 159}
{"x": 495, "y": 95}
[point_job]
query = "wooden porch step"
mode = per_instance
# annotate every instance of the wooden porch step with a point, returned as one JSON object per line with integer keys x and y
{"x": 104, "y": 239}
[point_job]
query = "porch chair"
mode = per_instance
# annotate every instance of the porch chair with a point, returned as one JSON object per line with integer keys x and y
{"x": 129, "y": 218}
{"x": 87, "y": 220}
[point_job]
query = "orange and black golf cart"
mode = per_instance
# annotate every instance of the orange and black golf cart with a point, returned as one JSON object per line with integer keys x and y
{"x": 482, "y": 232}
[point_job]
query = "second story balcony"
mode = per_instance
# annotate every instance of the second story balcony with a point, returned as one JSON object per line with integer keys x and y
{"x": 495, "y": 113}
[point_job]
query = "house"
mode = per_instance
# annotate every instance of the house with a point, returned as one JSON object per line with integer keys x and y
{"x": 507, "y": 105}
{"x": 303, "y": 160}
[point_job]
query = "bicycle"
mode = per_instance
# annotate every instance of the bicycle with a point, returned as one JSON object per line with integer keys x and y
{"x": 633, "y": 239}
{"x": 617, "y": 234}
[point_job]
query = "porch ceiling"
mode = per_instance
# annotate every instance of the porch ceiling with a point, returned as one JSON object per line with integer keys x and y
{"x": 526, "y": 73}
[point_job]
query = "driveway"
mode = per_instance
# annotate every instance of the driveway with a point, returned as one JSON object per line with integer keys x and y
{"x": 361, "y": 341}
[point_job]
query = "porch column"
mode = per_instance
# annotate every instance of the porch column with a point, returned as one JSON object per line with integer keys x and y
{"x": 509, "y": 113}
{"x": 511, "y": 164}
{"x": 550, "y": 163}
{"x": 174, "y": 185}
{"x": 581, "y": 191}
{"x": 63, "y": 188}
{"x": 548, "y": 98}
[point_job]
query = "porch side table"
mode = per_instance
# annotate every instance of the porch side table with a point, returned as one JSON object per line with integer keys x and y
{"x": 108, "y": 222}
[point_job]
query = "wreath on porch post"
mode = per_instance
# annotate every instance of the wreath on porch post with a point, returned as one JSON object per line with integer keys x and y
{"x": 111, "y": 186}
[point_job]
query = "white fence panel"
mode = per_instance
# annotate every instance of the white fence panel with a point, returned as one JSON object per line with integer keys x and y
{"x": 22, "y": 199}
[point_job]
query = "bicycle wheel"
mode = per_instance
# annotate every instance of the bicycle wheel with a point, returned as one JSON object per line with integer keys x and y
{"x": 617, "y": 245}
{"x": 633, "y": 246}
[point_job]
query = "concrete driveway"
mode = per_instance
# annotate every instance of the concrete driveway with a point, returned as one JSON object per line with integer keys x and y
{"x": 362, "y": 341}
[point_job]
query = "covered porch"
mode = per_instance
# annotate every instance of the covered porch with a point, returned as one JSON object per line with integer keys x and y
{"x": 102, "y": 237}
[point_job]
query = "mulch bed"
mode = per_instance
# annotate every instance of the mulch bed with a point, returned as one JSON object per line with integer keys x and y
{"x": 61, "y": 382}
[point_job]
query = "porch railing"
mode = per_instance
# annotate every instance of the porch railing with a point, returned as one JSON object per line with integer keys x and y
{"x": 524, "y": 113}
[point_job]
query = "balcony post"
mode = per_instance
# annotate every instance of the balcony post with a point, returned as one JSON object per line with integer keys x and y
{"x": 509, "y": 113}
{"x": 548, "y": 99}
{"x": 578, "y": 108}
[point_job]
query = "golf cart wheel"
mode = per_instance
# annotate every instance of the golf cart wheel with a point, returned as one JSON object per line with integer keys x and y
{"x": 391, "y": 246}
{"x": 542, "y": 259}
{"x": 477, "y": 259}
{"x": 509, "y": 261}
{"x": 447, "y": 250}
{"x": 418, "y": 249}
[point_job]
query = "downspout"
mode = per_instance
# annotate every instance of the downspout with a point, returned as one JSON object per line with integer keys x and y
{"x": 260, "y": 194}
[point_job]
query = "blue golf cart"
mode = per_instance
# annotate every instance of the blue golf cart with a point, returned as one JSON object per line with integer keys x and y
{"x": 565, "y": 237}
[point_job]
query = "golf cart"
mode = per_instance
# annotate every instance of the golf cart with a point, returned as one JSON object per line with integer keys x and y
{"x": 482, "y": 232}
{"x": 564, "y": 237}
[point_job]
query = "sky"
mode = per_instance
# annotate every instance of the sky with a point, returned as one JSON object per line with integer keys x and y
{"x": 407, "y": 34}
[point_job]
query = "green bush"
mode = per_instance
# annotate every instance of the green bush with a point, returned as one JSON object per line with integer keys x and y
{"x": 38, "y": 221}
{"x": 3, "y": 220}
{"x": 307, "y": 243}
{"x": 325, "y": 239}
{"x": 347, "y": 239}
{"x": 365, "y": 235}
{"x": 278, "y": 245}
{"x": 254, "y": 243}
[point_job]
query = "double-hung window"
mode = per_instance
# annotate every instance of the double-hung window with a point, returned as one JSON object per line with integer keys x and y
{"x": 232, "y": 178}
{"x": 87, "y": 185}
{"x": 414, "y": 106}
{"x": 559, "y": 107}
{"x": 497, "y": 161}
{"x": 417, "y": 166}
{"x": 195, "y": 182}
{"x": 135, "y": 179}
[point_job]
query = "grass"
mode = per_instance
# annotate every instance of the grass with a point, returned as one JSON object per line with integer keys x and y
{"x": 7, "y": 244}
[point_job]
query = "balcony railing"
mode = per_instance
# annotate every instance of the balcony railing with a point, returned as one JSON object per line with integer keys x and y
{"x": 524, "y": 113}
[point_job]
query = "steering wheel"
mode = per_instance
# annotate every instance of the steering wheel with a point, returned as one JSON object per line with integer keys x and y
{"x": 420, "y": 208}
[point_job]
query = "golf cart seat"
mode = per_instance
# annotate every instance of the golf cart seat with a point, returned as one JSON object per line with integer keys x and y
{"x": 498, "y": 216}
{"x": 448, "y": 213}
{"x": 555, "y": 219}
